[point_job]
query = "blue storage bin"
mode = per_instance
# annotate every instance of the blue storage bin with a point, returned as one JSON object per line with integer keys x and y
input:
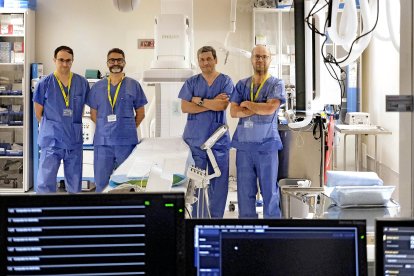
{"x": 15, "y": 115}
{"x": 3, "y": 148}
{"x": 22, "y": 4}
{"x": 15, "y": 118}
{"x": 4, "y": 117}
{"x": 15, "y": 92}
{"x": 14, "y": 152}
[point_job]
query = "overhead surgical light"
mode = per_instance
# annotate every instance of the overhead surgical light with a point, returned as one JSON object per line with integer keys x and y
{"x": 126, "y": 5}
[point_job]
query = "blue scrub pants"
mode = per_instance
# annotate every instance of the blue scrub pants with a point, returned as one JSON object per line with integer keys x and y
{"x": 50, "y": 159}
{"x": 105, "y": 160}
{"x": 263, "y": 166}
{"x": 218, "y": 188}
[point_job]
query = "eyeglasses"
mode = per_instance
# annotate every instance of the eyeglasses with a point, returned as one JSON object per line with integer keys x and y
{"x": 117, "y": 60}
{"x": 67, "y": 61}
{"x": 258, "y": 57}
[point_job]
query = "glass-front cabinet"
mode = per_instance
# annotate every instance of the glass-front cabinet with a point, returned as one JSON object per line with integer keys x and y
{"x": 275, "y": 28}
{"x": 17, "y": 29}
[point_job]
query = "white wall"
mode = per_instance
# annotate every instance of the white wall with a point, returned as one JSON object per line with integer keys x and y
{"x": 381, "y": 76}
{"x": 91, "y": 28}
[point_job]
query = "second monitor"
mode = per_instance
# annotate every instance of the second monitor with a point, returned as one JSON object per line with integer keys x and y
{"x": 275, "y": 247}
{"x": 394, "y": 247}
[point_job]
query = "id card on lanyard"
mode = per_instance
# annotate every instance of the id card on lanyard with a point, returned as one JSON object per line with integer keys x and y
{"x": 112, "y": 102}
{"x": 253, "y": 97}
{"x": 67, "y": 112}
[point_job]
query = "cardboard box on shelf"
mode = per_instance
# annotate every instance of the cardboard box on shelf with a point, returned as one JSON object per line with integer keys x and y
{"x": 16, "y": 19}
{"x": 18, "y": 29}
{"x": 5, "y": 19}
{"x": 5, "y": 52}
{"x": 18, "y": 46}
{"x": 6, "y": 29}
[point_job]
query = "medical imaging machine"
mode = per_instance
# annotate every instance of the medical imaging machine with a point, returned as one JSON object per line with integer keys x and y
{"x": 172, "y": 65}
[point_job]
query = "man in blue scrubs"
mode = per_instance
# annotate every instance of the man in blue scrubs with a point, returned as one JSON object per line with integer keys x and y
{"x": 205, "y": 98}
{"x": 117, "y": 108}
{"x": 58, "y": 101}
{"x": 255, "y": 102}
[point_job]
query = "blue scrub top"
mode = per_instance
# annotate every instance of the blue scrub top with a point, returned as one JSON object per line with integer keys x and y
{"x": 122, "y": 132}
{"x": 201, "y": 126}
{"x": 57, "y": 130}
{"x": 263, "y": 136}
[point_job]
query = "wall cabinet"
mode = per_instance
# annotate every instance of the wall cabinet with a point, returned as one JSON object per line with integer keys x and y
{"x": 275, "y": 28}
{"x": 17, "y": 30}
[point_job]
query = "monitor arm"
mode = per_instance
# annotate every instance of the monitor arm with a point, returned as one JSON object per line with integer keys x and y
{"x": 200, "y": 175}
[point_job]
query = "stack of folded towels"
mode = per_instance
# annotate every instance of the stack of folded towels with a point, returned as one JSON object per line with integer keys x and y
{"x": 357, "y": 189}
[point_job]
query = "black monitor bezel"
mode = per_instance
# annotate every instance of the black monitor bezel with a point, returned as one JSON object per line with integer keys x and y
{"x": 191, "y": 223}
{"x": 379, "y": 248}
{"x": 33, "y": 200}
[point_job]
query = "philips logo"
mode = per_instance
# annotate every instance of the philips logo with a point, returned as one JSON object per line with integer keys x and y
{"x": 172, "y": 36}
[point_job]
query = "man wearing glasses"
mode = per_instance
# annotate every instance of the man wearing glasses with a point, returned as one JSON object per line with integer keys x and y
{"x": 59, "y": 99}
{"x": 255, "y": 102}
{"x": 113, "y": 102}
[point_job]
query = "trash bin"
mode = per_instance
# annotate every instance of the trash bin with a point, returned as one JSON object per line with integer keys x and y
{"x": 297, "y": 208}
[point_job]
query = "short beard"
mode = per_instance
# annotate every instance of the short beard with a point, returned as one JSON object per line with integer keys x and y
{"x": 116, "y": 69}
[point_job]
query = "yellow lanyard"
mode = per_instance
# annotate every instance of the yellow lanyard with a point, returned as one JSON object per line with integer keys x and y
{"x": 258, "y": 90}
{"x": 113, "y": 102}
{"x": 65, "y": 96}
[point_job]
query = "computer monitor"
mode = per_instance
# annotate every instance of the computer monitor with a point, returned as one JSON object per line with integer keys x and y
{"x": 394, "y": 247}
{"x": 92, "y": 234}
{"x": 275, "y": 247}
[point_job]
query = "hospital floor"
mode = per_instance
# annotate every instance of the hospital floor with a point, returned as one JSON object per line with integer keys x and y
{"x": 232, "y": 200}
{"x": 229, "y": 212}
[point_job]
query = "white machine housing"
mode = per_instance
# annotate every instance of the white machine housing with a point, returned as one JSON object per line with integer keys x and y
{"x": 173, "y": 58}
{"x": 357, "y": 118}
{"x": 171, "y": 67}
{"x": 88, "y": 127}
{"x": 172, "y": 42}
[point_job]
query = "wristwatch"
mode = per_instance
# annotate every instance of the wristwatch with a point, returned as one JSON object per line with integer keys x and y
{"x": 201, "y": 102}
